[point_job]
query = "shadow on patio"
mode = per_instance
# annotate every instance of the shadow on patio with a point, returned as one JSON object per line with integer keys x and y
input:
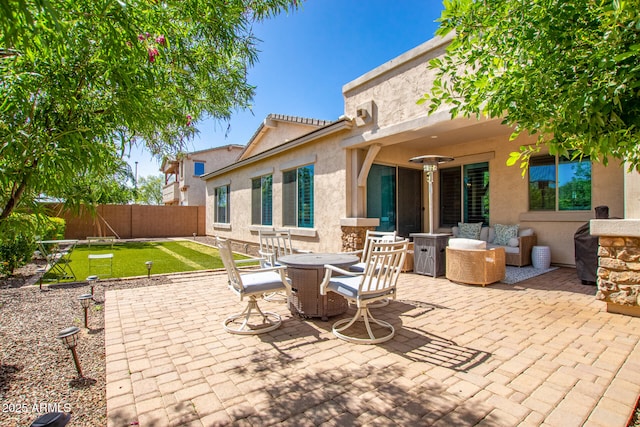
{"x": 462, "y": 355}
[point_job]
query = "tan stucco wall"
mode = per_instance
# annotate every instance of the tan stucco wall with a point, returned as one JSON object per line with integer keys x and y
{"x": 401, "y": 129}
{"x": 195, "y": 194}
{"x": 395, "y": 86}
{"x": 275, "y": 134}
{"x": 329, "y": 192}
{"x": 508, "y": 197}
{"x": 632, "y": 194}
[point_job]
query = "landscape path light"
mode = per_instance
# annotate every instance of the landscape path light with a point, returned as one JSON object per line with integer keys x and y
{"x": 52, "y": 419}
{"x": 69, "y": 338}
{"x": 92, "y": 280}
{"x": 85, "y": 301}
{"x": 149, "y": 264}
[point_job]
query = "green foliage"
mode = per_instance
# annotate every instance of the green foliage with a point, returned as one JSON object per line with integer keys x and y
{"x": 150, "y": 190}
{"x": 52, "y": 228}
{"x": 82, "y": 81}
{"x": 17, "y": 241}
{"x": 567, "y": 72}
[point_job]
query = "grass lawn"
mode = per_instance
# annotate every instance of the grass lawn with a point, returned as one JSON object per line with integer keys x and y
{"x": 129, "y": 258}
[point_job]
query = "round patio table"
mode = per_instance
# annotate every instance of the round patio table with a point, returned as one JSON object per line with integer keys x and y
{"x": 306, "y": 272}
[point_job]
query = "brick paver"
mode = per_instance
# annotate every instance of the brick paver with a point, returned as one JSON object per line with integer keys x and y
{"x": 540, "y": 352}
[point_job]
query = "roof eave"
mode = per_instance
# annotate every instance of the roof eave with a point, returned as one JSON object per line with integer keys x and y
{"x": 334, "y": 127}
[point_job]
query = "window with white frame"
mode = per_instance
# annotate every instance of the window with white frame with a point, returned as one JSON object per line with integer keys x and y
{"x": 262, "y": 200}
{"x": 221, "y": 213}
{"x": 558, "y": 183}
{"x": 297, "y": 197}
{"x": 198, "y": 168}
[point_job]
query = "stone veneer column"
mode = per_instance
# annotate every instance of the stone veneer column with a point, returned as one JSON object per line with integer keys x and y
{"x": 618, "y": 264}
{"x": 354, "y": 231}
{"x": 353, "y": 237}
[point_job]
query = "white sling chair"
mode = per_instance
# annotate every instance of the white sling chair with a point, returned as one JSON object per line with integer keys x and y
{"x": 252, "y": 284}
{"x": 372, "y": 236}
{"x": 273, "y": 245}
{"x": 378, "y": 282}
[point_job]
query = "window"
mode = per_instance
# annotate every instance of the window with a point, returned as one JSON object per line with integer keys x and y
{"x": 222, "y": 204}
{"x": 261, "y": 200}
{"x": 559, "y": 184}
{"x": 297, "y": 197}
{"x": 198, "y": 168}
{"x": 464, "y": 194}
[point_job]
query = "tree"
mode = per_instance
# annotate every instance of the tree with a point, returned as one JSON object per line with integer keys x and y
{"x": 567, "y": 72}
{"x": 81, "y": 81}
{"x": 150, "y": 190}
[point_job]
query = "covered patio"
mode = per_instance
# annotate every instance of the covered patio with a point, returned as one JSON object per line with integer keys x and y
{"x": 540, "y": 352}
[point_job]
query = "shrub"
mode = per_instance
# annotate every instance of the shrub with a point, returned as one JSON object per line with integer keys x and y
{"x": 17, "y": 242}
{"x": 52, "y": 228}
{"x": 19, "y": 234}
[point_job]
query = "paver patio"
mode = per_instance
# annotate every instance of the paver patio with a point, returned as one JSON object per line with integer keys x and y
{"x": 540, "y": 352}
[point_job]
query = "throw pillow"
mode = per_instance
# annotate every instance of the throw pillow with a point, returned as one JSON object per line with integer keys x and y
{"x": 469, "y": 230}
{"x": 504, "y": 233}
{"x": 514, "y": 242}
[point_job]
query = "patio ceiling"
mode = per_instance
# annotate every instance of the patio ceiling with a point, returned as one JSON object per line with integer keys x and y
{"x": 428, "y": 132}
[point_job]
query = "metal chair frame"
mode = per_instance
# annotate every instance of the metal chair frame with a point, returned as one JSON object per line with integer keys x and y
{"x": 252, "y": 284}
{"x": 377, "y": 283}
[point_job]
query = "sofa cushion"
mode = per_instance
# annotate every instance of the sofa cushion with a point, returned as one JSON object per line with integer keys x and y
{"x": 484, "y": 234}
{"x": 469, "y": 230}
{"x": 462, "y": 243}
{"x": 504, "y": 233}
{"x": 514, "y": 242}
{"x": 491, "y": 235}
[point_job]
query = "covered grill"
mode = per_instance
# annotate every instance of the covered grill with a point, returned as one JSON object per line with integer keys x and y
{"x": 586, "y": 250}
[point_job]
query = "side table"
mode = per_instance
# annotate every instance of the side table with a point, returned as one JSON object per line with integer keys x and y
{"x": 541, "y": 257}
{"x": 429, "y": 253}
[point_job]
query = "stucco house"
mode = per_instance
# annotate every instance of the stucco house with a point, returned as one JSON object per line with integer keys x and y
{"x": 326, "y": 181}
{"x": 182, "y": 183}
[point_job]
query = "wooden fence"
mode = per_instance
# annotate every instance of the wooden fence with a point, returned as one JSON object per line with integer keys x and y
{"x": 135, "y": 221}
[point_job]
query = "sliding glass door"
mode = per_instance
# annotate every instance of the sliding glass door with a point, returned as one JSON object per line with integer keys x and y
{"x": 394, "y": 196}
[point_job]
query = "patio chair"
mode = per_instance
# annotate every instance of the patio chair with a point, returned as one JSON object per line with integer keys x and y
{"x": 252, "y": 285}
{"x": 377, "y": 282}
{"x": 273, "y": 245}
{"x": 373, "y": 236}
{"x": 470, "y": 262}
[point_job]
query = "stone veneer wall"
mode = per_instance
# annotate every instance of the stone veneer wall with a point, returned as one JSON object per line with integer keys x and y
{"x": 353, "y": 237}
{"x": 619, "y": 273}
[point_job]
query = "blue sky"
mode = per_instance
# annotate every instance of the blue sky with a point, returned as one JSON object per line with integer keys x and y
{"x": 306, "y": 57}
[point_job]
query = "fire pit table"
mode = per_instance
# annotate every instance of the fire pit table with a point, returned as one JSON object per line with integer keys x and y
{"x": 306, "y": 272}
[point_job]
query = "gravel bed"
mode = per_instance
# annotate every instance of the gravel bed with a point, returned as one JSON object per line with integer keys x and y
{"x": 37, "y": 373}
